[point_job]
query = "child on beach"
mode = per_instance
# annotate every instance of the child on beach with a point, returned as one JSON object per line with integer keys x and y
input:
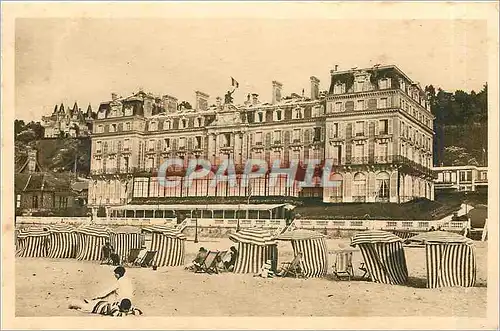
{"x": 265, "y": 271}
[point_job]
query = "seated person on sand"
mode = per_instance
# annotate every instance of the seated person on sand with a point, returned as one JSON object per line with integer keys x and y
{"x": 231, "y": 261}
{"x": 115, "y": 295}
{"x": 198, "y": 260}
{"x": 265, "y": 271}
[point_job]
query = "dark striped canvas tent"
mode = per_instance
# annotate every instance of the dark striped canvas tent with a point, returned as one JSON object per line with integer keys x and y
{"x": 63, "y": 241}
{"x": 451, "y": 259}
{"x": 32, "y": 242}
{"x": 404, "y": 234}
{"x": 383, "y": 255}
{"x": 91, "y": 238}
{"x": 123, "y": 241}
{"x": 312, "y": 245}
{"x": 169, "y": 245}
{"x": 255, "y": 247}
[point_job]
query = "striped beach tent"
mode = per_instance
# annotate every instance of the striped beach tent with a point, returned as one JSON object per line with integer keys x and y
{"x": 91, "y": 238}
{"x": 451, "y": 259}
{"x": 125, "y": 239}
{"x": 63, "y": 241}
{"x": 255, "y": 247}
{"x": 383, "y": 255}
{"x": 170, "y": 245}
{"x": 32, "y": 242}
{"x": 312, "y": 245}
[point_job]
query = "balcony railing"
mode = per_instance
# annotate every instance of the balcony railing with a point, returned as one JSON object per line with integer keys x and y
{"x": 359, "y": 198}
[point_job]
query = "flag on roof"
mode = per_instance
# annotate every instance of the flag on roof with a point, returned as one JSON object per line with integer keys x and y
{"x": 234, "y": 82}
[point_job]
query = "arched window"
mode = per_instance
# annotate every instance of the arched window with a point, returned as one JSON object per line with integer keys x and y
{"x": 359, "y": 186}
{"x": 382, "y": 187}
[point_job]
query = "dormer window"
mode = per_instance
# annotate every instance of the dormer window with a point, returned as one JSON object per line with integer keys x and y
{"x": 384, "y": 83}
{"x": 298, "y": 113}
{"x": 129, "y": 110}
{"x": 260, "y": 117}
{"x": 339, "y": 88}
{"x": 101, "y": 115}
{"x": 113, "y": 127}
{"x": 358, "y": 86}
{"x": 278, "y": 115}
{"x": 153, "y": 126}
{"x": 198, "y": 122}
{"x": 127, "y": 126}
{"x": 183, "y": 123}
{"x": 100, "y": 129}
{"x": 166, "y": 125}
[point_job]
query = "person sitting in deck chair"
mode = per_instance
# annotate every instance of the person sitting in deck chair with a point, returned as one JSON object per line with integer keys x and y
{"x": 198, "y": 260}
{"x": 265, "y": 271}
{"x": 107, "y": 250}
{"x": 229, "y": 264}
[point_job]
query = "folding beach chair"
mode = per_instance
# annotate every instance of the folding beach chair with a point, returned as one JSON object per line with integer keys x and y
{"x": 292, "y": 268}
{"x": 342, "y": 267}
{"x": 147, "y": 260}
{"x": 366, "y": 273}
{"x": 224, "y": 256}
{"x": 132, "y": 256}
{"x": 209, "y": 265}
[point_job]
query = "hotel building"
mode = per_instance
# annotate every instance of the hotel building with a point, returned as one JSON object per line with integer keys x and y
{"x": 375, "y": 125}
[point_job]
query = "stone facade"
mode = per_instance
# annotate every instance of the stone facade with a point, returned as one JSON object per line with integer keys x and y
{"x": 374, "y": 124}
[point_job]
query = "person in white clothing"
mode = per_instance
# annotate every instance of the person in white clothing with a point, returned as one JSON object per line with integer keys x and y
{"x": 122, "y": 289}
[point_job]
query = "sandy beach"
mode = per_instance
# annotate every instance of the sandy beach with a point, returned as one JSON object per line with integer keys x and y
{"x": 45, "y": 286}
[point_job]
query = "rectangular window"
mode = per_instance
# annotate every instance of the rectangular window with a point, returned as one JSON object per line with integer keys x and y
{"x": 383, "y": 103}
{"x": 126, "y": 144}
{"x": 383, "y": 127}
{"x": 447, "y": 177}
{"x": 338, "y": 106}
{"x": 277, "y": 137}
{"x": 182, "y": 142}
{"x": 278, "y": 115}
{"x": 18, "y": 200}
{"x": 296, "y": 135}
{"x": 360, "y": 105}
{"x": 335, "y": 130}
{"x": 260, "y": 117}
{"x": 317, "y": 134}
{"x": 359, "y": 151}
{"x": 358, "y": 86}
{"x": 98, "y": 147}
{"x": 166, "y": 143}
{"x": 360, "y": 128}
{"x": 258, "y": 138}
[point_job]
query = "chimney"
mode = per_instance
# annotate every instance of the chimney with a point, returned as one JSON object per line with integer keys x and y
{"x": 277, "y": 86}
{"x": 201, "y": 101}
{"x": 336, "y": 68}
{"x": 114, "y": 96}
{"x": 255, "y": 98}
{"x": 170, "y": 103}
{"x": 32, "y": 160}
{"x": 314, "y": 88}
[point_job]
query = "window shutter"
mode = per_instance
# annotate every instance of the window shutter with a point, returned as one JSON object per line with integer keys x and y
{"x": 349, "y": 106}
{"x": 307, "y": 112}
{"x": 322, "y": 133}
{"x": 190, "y": 143}
{"x": 348, "y": 131}
{"x": 120, "y": 127}
{"x": 307, "y": 136}
{"x": 268, "y": 139}
{"x": 119, "y": 146}
{"x": 160, "y": 125}
{"x": 251, "y": 137}
{"x": 174, "y": 143}
{"x": 389, "y": 125}
{"x": 287, "y": 137}
{"x": 365, "y": 128}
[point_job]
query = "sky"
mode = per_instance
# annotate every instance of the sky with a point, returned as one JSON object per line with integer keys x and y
{"x": 59, "y": 60}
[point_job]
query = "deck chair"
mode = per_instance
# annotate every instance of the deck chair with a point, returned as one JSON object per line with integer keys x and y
{"x": 209, "y": 265}
{"x": 292, "y": 268}
{"x": 223, "y": 256}
{"x": 342, "y": 267}
{"x": 363, "y": 268}
{"x": 147, "y": 260}
{"x": 132, "y": 256}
